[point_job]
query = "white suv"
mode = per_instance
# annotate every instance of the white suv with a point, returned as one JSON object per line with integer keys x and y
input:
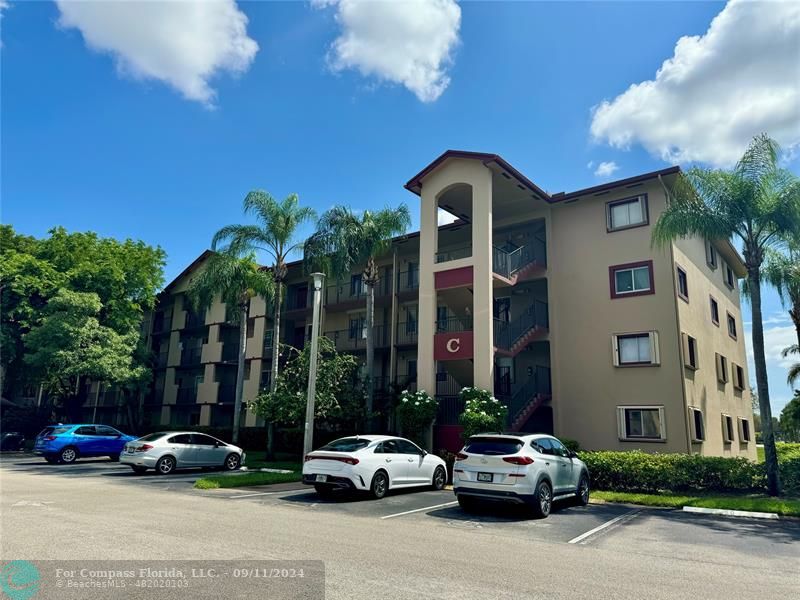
{"x": 532, "y": 469}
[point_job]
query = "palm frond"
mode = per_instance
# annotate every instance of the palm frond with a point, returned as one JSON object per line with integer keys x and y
{"x": 794, "y": 374}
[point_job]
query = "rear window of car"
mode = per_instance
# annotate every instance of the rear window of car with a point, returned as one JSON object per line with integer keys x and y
{"x": 151, "y": 437}
{"x": 53, "y": 431}
{"x": 346, "y": 445}
{"x": 493, "y": 446}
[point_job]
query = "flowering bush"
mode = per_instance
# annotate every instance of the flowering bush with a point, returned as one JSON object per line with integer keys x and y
{"x": 482, "y": 412}
{"x": 415, "y": 412}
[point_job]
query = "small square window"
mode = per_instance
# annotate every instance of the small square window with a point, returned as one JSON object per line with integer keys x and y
{"x": 730, "y": 278}
{"x": 714, "y": 311}
{"x": 641, "y": 423}
{"x": 731, "y": 326}
{"x": 626, "y": 213}
{"x": 727, "y": 429}
{"x": 744, "y": 430}
{"x": 697, "y": 426}
{"x": 738, "y": 377}
{"x": 683, "y": 284}
{"x": 711, "y": 255}
{"x": 634, "y": 279}
{"x": 635, "y": 349}
{"x": 722, "y": 369}
{"x": 690, "y": 358}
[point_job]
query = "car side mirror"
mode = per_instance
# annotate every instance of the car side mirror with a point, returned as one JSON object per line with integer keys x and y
{"x": 424, "y": 453}
{"x": 572, "y": 454}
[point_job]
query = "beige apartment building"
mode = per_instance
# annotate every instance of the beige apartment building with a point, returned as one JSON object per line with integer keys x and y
{"x": 557, "y": 303}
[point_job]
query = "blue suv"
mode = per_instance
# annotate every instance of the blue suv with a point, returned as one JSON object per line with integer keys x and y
{"x": 65, "y": 443}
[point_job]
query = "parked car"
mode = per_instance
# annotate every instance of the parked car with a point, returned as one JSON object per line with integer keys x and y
{"x": 374, "y": 463}
{"x": 66, "y": 443}
{"x": 166, "y": 451}
{"x": 13, "y": 441}
{"x": 531, "y": 469}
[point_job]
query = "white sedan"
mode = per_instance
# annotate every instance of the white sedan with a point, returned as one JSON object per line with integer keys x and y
{"x": 374, "y": 463}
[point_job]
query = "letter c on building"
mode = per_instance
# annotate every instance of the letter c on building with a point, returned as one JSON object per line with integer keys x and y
{"x": 453, "y": 345}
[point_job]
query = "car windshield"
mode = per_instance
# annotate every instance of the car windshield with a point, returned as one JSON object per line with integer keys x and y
{"x": 346, "y": 445}
{"x": 493, "y": 446}
{"x": 53, "y": 431}
{"x": 152, "y": 437}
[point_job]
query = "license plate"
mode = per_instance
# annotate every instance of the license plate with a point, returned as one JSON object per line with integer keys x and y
{"x": 485, "y": 477}
{"x": 129, "y": 450}
{"x": 322, "y": 478}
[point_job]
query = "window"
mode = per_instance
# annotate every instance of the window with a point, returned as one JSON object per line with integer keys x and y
{"x": 738, "y": 377}
{"x": 714, "y": 311}
{"x": 698, "y": 429}
{"x": 635, "y": 349}
{"x": 204, "y": 440}
{"x": 493, "y": 446}
{"x": 183, "y": 438}
{"x": 346, "y": 444}
{"x": 744, "y": 430}
{"x": 559, "y": 449}
{"x": 731, "y": 326}
{"x": 711, "y": 254}
{"x": 683, "y": 284}
{"x": 634, "y": 279}
{"x": 722, "y": 369}
{"x": 690, "y": 359}
{"x": 86, "y": 430}
{"x": 641, "y": 422}
{"x": 356, "y": 285}
{"x": 626, "y": 213}
{"x": 387, "y": 447}
{"x": 730, "y": 280}
{"x": 357, "y": 328}
{"x": 406, "y": 447}
{"x": 107, "y": 431}
{"x": 727, "y": 429}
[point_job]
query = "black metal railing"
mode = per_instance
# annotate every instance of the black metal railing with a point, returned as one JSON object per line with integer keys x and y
{"x": 194, "y": 320}
{"x": 186, "y": 395}
{"x": 452, "y": 324}
{"x": 407, "y": 281}
{"x": 268, "y": 335}
{"x": 226, "y": 393}
{"x": 536, "y": 385}
{"x": 454, "y": 253}
{"x": 407, "y": 333}
{"x": 507, "y": 263}
{"x": 191, "y": 356}
{"x": 348, "y": 340}
{"x": 298, "y": 299}
{"x": 230, "y": 351}
{"x": 348, "y": 292}
{"x": 162, "y": 322}
{"x": 449, "y": 409}
{"x": 506, "y": 333}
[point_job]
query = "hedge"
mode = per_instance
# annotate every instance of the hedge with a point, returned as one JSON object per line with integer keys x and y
{"x": 644, "y": 472}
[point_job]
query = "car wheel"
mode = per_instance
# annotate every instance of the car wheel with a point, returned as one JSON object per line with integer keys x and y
{"x": 542, "y": 499}
{"x": 68, "y": 455}
{"x": 114, "y": 457}
{"x": 232, "y": 461}
{"x": 439, "y": 478}
{"x": 51, "y": 459}
{"x": 324, "y": 491}
{"x": 582, "y": 493}
{"x": 467, "y": 503}
{"x": 380, "y": 485}
{"x": 139, "y": 470}
{"x": 165, "y": 465}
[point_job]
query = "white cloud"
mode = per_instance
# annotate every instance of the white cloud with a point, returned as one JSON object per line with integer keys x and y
{"x": 606, "y": 169}
{"x": 410, "y": 42}
{"x": 717, "y": 91}
{"x": 183, "y": 43}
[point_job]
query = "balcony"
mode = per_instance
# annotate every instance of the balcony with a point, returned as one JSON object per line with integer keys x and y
{"x": 408, "y": 281}
{"x": 186, "y": 395}
{"x": 350, "y": 340}
{"x": 510, "y": 263}
{"x": 162, "y": 322}
{"x": 454, "y": 253}
{"x": 407, "y": 333}
{"x": 194, "y": 320}
{"x": 453, "y": 324}
{"x": 511, "y": 336}
{"x": 268, "y": 340}
{"x": 298, "y": 298}
{"x": 190, "y": 357}
{"x": 230, "y": 352}
{"x": 226, "y": 393}
{"x": 161, "y": 359}
{"x": 340, "y": 293}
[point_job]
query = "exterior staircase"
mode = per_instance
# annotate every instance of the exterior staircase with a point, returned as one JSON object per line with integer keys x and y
{"x": 529, "y": 398}
{"x": 519, "y": 264}
{"x": 511, "y": 337}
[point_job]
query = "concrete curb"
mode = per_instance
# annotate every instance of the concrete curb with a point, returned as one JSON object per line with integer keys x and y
{"x": 730, "y": 513}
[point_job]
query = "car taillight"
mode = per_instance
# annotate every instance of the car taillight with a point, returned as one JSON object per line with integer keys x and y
{"x": 144, "y": 448}
{"x": 345, "y": 459}
{"x": 461, "y": 456}
{"x": 350, "y": 461}
{"x": 518, "y": 460}
{"x": 50, "y": 438}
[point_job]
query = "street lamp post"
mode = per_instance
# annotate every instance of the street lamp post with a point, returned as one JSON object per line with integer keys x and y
{"x": 308, "y": 440}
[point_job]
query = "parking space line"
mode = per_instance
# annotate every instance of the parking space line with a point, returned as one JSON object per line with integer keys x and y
{"x": 408, "y": 512}
{"x": 266, "y": 494}
{"x": 606, "y": 525}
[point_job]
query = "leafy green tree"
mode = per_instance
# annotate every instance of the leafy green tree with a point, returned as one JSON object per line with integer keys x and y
{"x": 274, "y": 234}
{"x": 70, "y": 344}
{"x": 237, "y": 280}
{"x": 343, "y": 240}
{"x": 335, "y": 398}
{"x": 790, "y": 419}
{"x": 757, "y": 203}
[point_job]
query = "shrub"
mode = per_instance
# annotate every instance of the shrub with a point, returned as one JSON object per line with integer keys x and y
{"x": 790, "y": 476}
{"x": 482, "y": 412}
{"x": 572, "y": 445}
{"x": 415, "y": 412}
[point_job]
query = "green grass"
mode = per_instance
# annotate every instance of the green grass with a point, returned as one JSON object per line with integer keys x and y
{"x": 781, "y": 506}
{"x": 245, "y": 479}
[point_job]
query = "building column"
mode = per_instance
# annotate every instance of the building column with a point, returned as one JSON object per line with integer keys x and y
{"x": 426, "y": 309}
{"x": 483, "y": 290}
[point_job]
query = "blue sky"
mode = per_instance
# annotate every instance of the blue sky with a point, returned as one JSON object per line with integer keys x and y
{"x": 114, "y": 124}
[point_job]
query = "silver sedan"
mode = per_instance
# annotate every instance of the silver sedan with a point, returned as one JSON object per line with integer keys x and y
{"x": 166, "y": 451}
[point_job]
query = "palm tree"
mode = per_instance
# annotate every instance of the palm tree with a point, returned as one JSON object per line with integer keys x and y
{"x": 757, "y": 203}
{"x": 794, "y": 370}
{"x": 344, "y": 240}
{"x": 782, "y": 271}
{"x": 237, "y": 279}
{"x": 274, "y": 234}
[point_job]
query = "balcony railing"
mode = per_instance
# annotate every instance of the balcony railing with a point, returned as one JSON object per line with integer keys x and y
{"x": 348, "y": 292}
{"x": 162, "y": 322}
{"x": 348, "y": 340}
{"x": 268, "y": 339}
{"x": 194, "y": 320}
{"x": 537, "y": 384}
{"x": 407, "y": 333}
{"x": 226, "y": 393}
{"x": 453, "y": 324}
{"x": 408, "y": 281}
{"x": 187, "y": 395}
{"x": 230, "y": 351}
{"x": 507, "y": 263}
{"x": 191, "y": 356}
{"x": 454, "y": 253}
{"x": 506, "y": 333}
{"x": 298, "y": 299}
